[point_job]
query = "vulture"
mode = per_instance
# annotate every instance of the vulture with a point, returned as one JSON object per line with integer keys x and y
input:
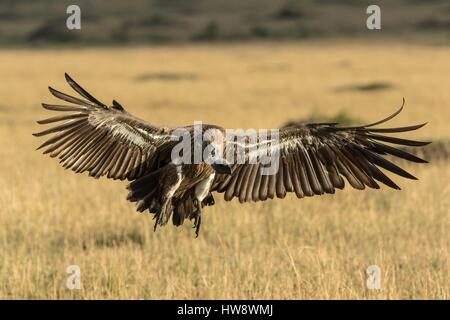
{"x": 312, "y": 159}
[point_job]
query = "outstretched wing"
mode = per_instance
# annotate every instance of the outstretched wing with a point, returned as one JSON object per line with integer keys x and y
{"x": 101, "y": 139}
{"x": 314, "y": 159}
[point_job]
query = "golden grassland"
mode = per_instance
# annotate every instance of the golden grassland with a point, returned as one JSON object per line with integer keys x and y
{"x": 283, "y": 249}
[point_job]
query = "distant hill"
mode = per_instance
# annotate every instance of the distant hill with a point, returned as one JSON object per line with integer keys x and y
{"x": 29, "y": 22}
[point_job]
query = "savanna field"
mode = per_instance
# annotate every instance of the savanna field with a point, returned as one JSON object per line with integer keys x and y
{"x": 315, "y": 248}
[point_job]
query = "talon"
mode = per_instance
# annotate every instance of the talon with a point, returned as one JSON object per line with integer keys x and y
{"x": 209, "y": 200}
{"x": 156, "y": 224}
{"x": 158, "y": 218}
{"x": 198, "y": 222}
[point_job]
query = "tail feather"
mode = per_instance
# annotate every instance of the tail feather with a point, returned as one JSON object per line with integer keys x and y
{"x": 183, "y": 208}
{"x": 143, "y": 191}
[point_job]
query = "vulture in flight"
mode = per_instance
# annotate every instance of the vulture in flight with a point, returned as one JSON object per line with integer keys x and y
{"x": 313, "y": 159}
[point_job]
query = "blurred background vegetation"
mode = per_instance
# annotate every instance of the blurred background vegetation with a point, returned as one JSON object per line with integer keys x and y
{"x": 238, "y": 64}
{"x": 118, "y": 22}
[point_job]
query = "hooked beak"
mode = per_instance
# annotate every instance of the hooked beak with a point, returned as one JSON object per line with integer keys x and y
{"x": 221, "y": 167}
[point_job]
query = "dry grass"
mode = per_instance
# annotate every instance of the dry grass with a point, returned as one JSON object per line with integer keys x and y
{"x": 290, "y": 249}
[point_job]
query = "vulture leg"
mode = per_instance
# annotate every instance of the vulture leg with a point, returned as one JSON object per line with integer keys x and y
{"x": 202, "y": 196}
{"x": 197, "y": 217}
{"x": 157, "y": 219}
{"x": 163, "y": 213}
{"x": 165, "y": 206}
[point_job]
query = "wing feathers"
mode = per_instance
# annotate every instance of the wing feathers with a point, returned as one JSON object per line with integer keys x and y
{"x": 67, "y": 97}
{"x": 287, "y": 175}
{"x": 263, "y": 187}
{"x": 256, "y": 185}
{"x": 62, "y": 118}
{"x": 54, "y": 107}
{"x": 308, "y": 178}
{"x": 251, "y": 181}
{"x": 82, "y": 92}
{"x": 394, "y": 140}
{"x": 100, "y": 139}
{"x": 385, "y": 149}
{"x": 61, "y": 127}
{"x": 399, "y": 129}
{"x": 230, "y": 190}
{"x": 296, "y": 175}
{"x": 280, "y": 189}
{"x": 315, "y": 159}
